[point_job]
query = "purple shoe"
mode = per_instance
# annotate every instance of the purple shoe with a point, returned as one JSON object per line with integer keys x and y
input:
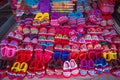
{"x": 55, "y": 15}
{"x": 91, "y": 67}
{"x": 83, "y": 67}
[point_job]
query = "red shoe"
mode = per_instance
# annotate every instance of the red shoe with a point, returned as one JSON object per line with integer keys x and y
{"x": 31, "y": 70}
{"x": 51, "y": 67}
{"x": 74, "y": 55}
{"x": 58, "y": 67}
{"x": 40, "y": 69}
{"x": 38, "y": 53}
{"x": 47, "y": 54}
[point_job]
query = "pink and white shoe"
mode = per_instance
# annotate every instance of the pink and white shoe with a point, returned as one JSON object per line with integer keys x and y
{"x": 66, "y": 69}
{"x": 74, "y": 67}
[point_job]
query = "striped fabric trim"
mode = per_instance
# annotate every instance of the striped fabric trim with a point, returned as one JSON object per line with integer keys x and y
{"x": 116, "y": 27}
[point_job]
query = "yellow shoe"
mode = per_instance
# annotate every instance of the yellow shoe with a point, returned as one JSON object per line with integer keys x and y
{"x": 107, "y": 56}
{"x": 39, "y": 16}
{"x": 45, "y": 19}
{"x": 15, "y": 67}
{"x": 114, "y": 54}
{"x": 23, "y": 67}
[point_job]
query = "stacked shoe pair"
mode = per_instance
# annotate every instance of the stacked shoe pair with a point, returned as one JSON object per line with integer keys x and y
{"x": 83, "y": 6}
{"x": 75, "y": 18}
{"x": 41, "y": 19}
{"x": 62, "y": 6}
{"x": 46, "y": 4}
{"x": 106, "y": 6}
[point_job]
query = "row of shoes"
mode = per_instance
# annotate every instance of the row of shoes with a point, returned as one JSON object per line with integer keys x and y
{"x": 67, "y": 69}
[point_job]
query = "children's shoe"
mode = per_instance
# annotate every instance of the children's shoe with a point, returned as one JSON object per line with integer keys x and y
{"x": 91, "y": 70}
{"x": 40, "y": 69}
{"x": 31, "y": 70}
{"x": 115, "y": 68}
{"x": 74, "y": 67}
{"x": 98, "y": 66}
{"x": 83, "y": 67}
{"x": 65, "y": 56}
{"x": 11, "y": 35}
{"x": 51, "y": 67}
{"x": 48, "y": 54}
{"x": 58, "y": 67}
{"x": 66, "y": 69}
{"x": 74, "y": 55}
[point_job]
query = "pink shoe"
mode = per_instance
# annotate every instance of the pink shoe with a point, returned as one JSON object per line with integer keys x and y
{"x": 74, "y": 67}
{"x": 66, "y": 69}
{"x": 11, "y": 35}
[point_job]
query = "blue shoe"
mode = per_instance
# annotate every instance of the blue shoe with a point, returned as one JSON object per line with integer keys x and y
{"x": 98, "y": 66}
{"x": 57, "y": 55}
{"x": 71, "y": 14}
{"x": 78, "y": 14}
{"x": 65, "y": 56}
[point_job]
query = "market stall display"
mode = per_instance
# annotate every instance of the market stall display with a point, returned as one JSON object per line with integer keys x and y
{"x": 61, "y": 42}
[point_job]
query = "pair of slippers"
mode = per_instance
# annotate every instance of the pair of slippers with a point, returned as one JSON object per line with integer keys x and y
{"x": 110, "y": 55}
{"x": 83, "y": 6}
{"x": 94, "y": 30}
{"x": 36, "y": 68}
{"x": 107, "y": 6}
{"x": 42, "y": 18}
{"x": 70, "y": 68}
{"x": 57, "y": 19}
{"x": 107, "y": 21}
{"x": 24, "y": 54}
{"x": 3, "y": 66}
{"x": 116, "y": 39}
{"x": 8, "y": 49}
{"x": 108, "y": 47}
{"x": 18, "y": 69}
{"x": 115, "y": 67}
{"x": 27, "y": 40}
{"x": 61, "y": 55}
{"x": 16, "y": 36}
{"x": 54, "y": 67}
{"x": 95, "y": 16}
{"x": 101, "y": 65}
{"x": 75, "y": 15}
{"x": 87, "y": 67}
{"x": 45, "y": 55}
{"x": 91, "y": 38}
